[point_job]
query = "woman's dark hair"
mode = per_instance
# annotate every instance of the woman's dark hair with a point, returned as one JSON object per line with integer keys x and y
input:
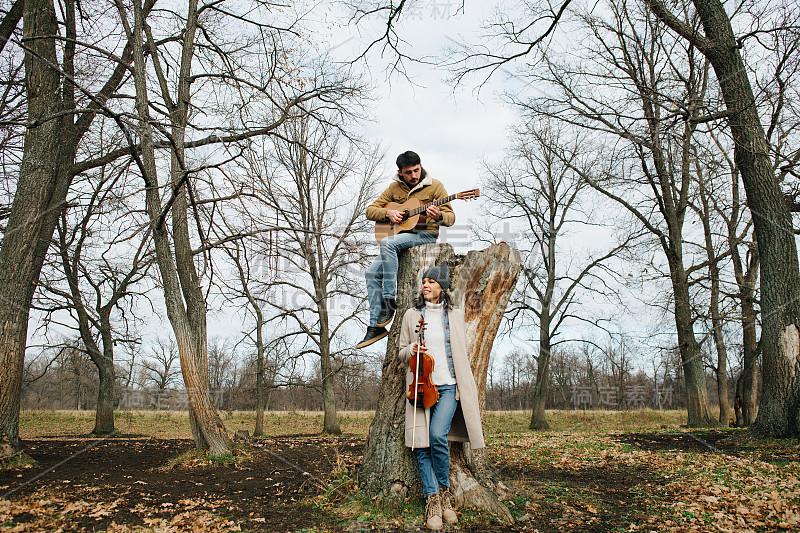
{"x": 444, "y": 298}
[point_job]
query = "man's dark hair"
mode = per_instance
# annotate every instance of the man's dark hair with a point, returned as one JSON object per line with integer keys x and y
{"x": 408, "y": 159}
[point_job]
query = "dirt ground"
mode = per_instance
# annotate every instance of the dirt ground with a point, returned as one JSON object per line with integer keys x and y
{"x": 127, "y": 482}
{"x": 265, "y": 492}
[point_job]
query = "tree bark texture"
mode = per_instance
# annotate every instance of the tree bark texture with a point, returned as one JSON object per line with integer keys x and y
{"x": 747, "y": 385}
{"x": 746, "y": 400}
{"x": 780, "y": 275}
{"x": 40, "y": 195}
{"x": 183, "y": 293}
{"x": 538, "y": 418}
{"x": 481, "y": 284}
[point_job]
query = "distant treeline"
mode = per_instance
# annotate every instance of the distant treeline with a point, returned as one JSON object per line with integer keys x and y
{"x": 576, "y": 382}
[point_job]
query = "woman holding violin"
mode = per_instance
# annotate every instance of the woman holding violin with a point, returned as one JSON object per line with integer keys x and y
{"x": 455, "y": 415}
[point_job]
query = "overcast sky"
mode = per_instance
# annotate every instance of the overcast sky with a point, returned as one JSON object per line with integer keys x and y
{"x": 452, "y": 128}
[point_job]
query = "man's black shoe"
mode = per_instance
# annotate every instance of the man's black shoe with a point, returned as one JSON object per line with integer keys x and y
{"x": 388, "y": 307}
{"x": 374, "y": 334}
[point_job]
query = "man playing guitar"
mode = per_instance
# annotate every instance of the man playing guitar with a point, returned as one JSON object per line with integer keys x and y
{"x": 411, "y": 181}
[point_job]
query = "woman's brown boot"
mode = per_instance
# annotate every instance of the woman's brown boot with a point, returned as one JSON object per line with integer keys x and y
{"x": 448, "y": 514}
{"x": 433, "y": 512}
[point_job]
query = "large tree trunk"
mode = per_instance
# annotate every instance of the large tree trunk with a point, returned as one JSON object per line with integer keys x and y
{"x": 780, "y": 276}
{"x": 698, "y": 414}
{"x": 772, "y": 221}
{"x": 104, "y": 361}
{"x": 673, "y": 202}
{"x": 538, "y": 419}
{"x": 41, "y": 191}
{"x": 482, "y": 282}
{"x": 104, "y": 413}
{"x": 258, "y": 431}
{"x": 183, "y": 293}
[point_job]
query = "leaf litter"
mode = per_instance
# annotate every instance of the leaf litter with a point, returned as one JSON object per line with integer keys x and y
{"x": 573, "y": 481}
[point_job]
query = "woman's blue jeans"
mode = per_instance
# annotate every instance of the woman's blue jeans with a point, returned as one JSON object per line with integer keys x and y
{"x": 381, "y": 275}
{"x": 434, "y": 462}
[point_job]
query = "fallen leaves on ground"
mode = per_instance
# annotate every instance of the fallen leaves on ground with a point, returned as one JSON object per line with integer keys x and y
{"x": 578, "y": 481}
{"x": 59, "y": 514}
{"x": 669, "y": 489}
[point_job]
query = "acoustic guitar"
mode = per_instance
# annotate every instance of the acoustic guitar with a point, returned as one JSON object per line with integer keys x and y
{"x": 412, "y": 209}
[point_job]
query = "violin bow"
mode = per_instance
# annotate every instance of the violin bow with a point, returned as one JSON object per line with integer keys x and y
{"x": 414, "y": 381}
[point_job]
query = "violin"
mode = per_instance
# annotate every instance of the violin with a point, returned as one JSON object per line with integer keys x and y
{"x": 422, "y": 390}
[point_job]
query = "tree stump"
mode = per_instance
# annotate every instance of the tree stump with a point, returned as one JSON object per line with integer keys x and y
{"x": 481, "y": 284}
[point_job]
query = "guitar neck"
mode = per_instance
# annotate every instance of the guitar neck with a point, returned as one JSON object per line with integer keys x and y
{"x": 423, "y": 208}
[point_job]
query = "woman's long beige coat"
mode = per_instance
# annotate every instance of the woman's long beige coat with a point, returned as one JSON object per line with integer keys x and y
{"x": 466, "y": 426}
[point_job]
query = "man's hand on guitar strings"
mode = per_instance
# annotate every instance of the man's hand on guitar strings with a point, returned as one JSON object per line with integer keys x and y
{"x": 394, "y": 216}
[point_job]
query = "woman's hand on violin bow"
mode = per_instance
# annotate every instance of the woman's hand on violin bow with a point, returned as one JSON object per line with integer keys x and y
{"x": 422, "y": 348}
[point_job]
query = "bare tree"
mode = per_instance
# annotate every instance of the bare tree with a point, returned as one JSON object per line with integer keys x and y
{"x": 162, "y": 367}
{"x": 539, "y": 188}
{"x": 714, "y": 255}
{"x": 57, "y": 118}
{"x": 255, "y": 263}
{"x": 98, "y": 278}
{"x": 283, "y": 90}
{"x": 183, "y": 293}
{"x": 647, "y": 145}
{"x": 738, "y": 230}
{"x": 318, "y": 191}
{"x": 250, "y": 286}
{"x": 780, "y": 274}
